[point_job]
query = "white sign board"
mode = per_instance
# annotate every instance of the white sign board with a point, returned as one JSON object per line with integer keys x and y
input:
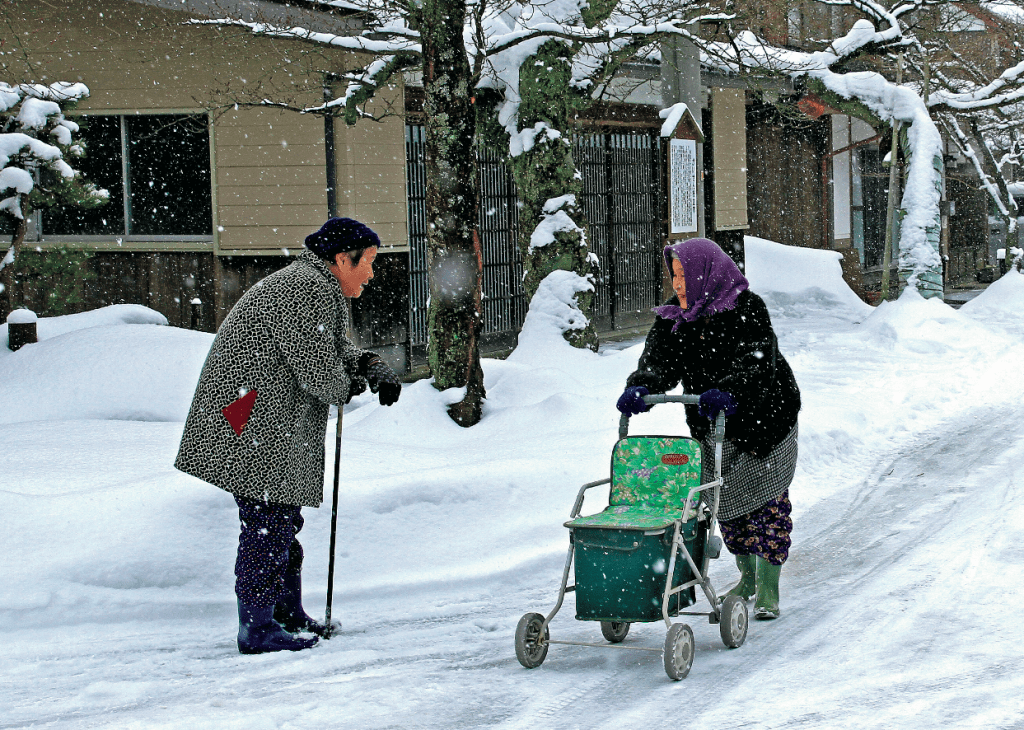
{"x": 682, "y": 178}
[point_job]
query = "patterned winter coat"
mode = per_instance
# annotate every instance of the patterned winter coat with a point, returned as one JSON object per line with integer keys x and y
{"x": 735, "y": 351}
{"x": 286, "y": 340}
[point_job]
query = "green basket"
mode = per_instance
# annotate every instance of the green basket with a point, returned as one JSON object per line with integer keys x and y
{"x": 620, "y": 574}
{"x": 622, "y": 554}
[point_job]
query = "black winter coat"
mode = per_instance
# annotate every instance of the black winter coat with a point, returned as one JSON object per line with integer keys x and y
{"x": 735, "y": 351}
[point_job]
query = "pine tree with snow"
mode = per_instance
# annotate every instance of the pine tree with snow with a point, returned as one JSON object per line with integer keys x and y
{"x": 36, "y": 142}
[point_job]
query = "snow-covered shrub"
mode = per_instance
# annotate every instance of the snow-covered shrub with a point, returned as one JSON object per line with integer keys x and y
{"x": 36, "y": 142}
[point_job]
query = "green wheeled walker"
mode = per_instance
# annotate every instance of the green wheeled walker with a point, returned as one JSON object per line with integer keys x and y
{"x": 642, "y": 558}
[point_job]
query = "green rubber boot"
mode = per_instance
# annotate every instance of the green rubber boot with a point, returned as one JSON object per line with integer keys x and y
{"x": 747, "y": 586}
{"x": 766, "y": 607}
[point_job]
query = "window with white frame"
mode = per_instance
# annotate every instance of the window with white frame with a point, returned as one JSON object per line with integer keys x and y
{"x": 157, "y": 170}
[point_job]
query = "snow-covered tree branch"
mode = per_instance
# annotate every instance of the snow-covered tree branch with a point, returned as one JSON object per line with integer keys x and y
{"x": 36, "y": 141}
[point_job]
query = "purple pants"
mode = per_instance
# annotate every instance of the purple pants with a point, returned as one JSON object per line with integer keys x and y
{"x": 764, "y": 532}
{"x": 267, "y": 550}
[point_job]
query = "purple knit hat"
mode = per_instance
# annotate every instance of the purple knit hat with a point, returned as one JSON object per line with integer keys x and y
{"x": 713, "y": 281}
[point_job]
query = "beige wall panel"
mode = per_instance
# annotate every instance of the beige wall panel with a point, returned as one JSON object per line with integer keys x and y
{"x": 276, "y": 138}
{"x": 247, "y": 119}
{"x": 291, "y": 155}
{"x": 115, "y": 83}
{"x": 731, "y": 194}
{"x": 264, "y": 185}
{"x": 385, "y": 169}
{"x": 375, "y": 152}
{"x": 389, "y": 222}
{"x": 375, "y": 212}
{"x": 393, "y": 236}
{"x": 728, "y": 112}
{"x": 267, "y": 239}
{"x": 256, "y": 116}
{"x": 371, "y": 176}
{"x": 260, "y": 195}
{"x": 375, "y": 177}
{"x": 274, "y": 177}
{"x": 134, "y": 49}
{"x": 115, "y": 91}
{"x": 361, "y": 194}
{"x": 270, "y": 134}
{"x": 273, "y": 215}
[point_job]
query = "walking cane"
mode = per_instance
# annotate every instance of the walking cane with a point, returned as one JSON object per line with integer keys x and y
{"x": 334, "y": 526}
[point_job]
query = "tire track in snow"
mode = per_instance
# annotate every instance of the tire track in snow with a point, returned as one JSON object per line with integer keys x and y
{"x": 846, "y": 613}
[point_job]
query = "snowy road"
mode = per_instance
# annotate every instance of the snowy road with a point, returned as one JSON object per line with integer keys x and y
{"x": 900, "y": 612}
{"x": 900, "y": 599}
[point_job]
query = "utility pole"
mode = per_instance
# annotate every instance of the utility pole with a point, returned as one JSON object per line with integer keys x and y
{"x": 890, "y": 211}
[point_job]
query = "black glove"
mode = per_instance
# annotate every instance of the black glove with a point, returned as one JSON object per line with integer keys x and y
{"x": 381, "y": 378}
{"x": 356, "y": 385}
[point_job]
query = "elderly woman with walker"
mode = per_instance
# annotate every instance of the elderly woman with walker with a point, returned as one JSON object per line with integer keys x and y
{"x": 716, "y": 338}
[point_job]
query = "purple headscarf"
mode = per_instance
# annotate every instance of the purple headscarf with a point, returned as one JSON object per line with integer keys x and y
{"x": 713, "y": 281}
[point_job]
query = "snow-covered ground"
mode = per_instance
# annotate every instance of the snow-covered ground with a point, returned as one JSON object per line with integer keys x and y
{"x": 899, "y": 600}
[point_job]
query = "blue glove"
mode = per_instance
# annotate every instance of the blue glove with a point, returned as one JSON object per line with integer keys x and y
{"x": 715, "y": 400}
{"x": 631, "y": 402}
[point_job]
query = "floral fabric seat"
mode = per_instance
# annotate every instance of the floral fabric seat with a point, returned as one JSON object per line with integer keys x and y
{"x": 652, "y": 483}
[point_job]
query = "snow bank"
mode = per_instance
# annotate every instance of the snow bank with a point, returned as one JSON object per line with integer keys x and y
{"x": 48, "y": 327}
{"x": 1003, "y": 297}
{"x": 447, "y": 535}
{"x": 924, "y": 326}
{"x": 552, "y": 311}
{"x": 791, "y": 270}
{"x": 121, "y": 372}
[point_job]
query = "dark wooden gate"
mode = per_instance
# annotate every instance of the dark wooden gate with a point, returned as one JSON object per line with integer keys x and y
{"x": 622, "y": 194}
{"x": 785, "y": 197}
{"x": 622, "y": 202}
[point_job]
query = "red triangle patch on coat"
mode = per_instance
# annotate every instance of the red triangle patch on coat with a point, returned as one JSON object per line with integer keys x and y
{"x": 239, "y": 411}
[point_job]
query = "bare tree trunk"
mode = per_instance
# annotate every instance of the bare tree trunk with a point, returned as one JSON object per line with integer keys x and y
{"x": 890, "y": 209}
{"x": 1008, "y": 201}
{"x": 453, "y": 249}
{"x": 7, "y": 274}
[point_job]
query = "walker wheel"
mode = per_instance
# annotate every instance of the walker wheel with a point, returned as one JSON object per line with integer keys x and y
{"x": 531, "y": 646}
{"x": 615, "y": 631}
{"x": 678, "y": 651}
{"x": 733, "y": 622}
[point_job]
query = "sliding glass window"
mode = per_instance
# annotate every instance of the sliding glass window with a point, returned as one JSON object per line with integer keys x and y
{"x": 157, "y": 170}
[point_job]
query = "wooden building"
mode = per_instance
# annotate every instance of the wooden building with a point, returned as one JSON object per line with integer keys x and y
{"x": 210, "y": 191}
{"x": 208, "y": 194}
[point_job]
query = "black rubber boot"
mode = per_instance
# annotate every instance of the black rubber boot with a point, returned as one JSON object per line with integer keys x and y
{"x": 289, "y": 612}
{"x": 259, "y": 633}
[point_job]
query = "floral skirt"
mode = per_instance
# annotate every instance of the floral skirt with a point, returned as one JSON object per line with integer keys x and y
{"x": 764, "y": 532}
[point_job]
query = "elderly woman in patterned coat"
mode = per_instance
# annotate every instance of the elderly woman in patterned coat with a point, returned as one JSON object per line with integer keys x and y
{"x": 715, "y": 336}
{"x": 259, "y": 416}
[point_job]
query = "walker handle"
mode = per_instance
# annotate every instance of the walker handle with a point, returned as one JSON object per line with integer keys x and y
{"x": 685, "y": 399}
{"x": 651, "y": 400}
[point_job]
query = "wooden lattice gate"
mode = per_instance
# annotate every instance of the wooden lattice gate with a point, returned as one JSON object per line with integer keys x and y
{"x": 622, "y": 195}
